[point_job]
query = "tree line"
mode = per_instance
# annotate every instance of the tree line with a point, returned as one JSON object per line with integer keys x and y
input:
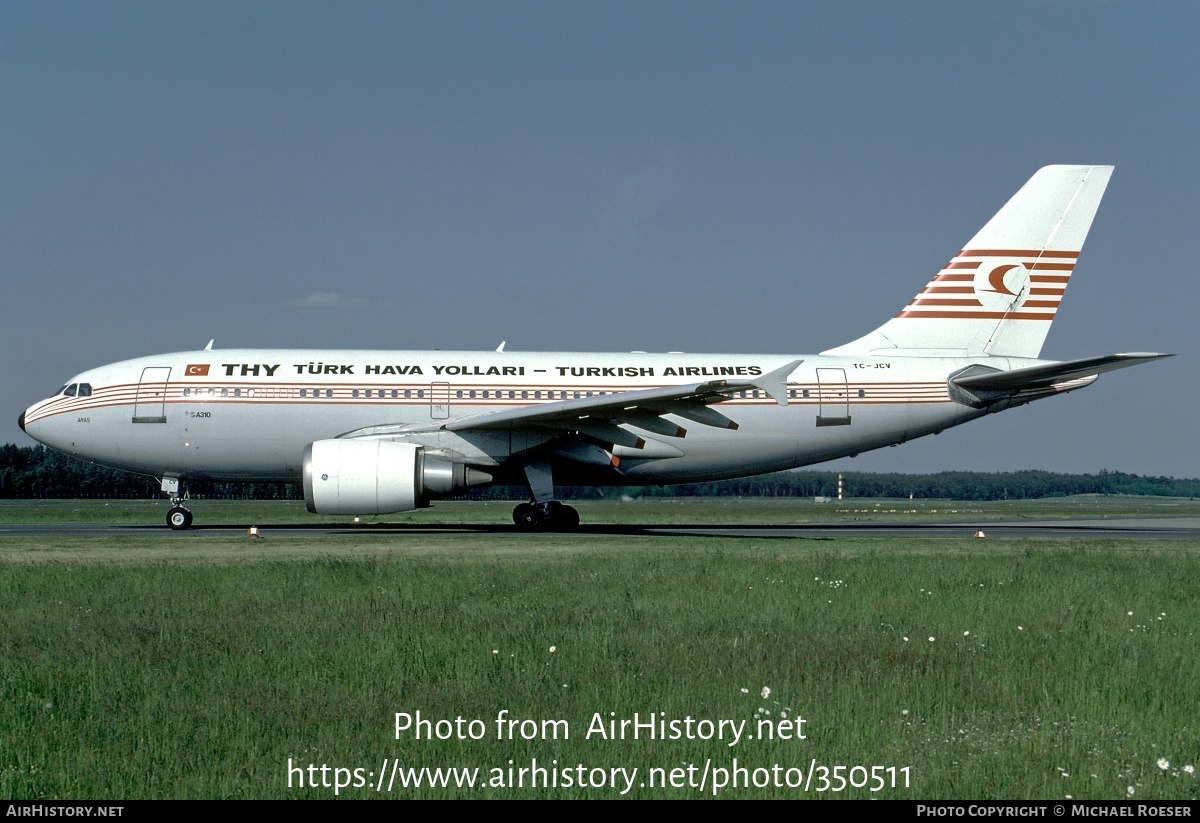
{"x": 28, "y": 472}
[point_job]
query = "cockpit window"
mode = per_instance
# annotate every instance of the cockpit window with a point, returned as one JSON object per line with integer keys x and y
{"x": 85, "y": 389}
{"x": 70, "y": 390}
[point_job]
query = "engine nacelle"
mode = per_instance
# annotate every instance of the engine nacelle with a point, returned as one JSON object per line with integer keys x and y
{"x": 378, "y": 477}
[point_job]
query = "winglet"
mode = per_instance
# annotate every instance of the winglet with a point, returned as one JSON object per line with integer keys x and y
{"x": 774, "y": 383}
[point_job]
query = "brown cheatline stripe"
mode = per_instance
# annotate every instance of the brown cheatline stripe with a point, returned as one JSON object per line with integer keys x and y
{"x": 1016, "y": 253}
{"x": 977, "y": 315}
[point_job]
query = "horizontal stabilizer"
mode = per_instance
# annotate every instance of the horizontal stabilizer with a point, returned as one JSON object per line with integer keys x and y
{"x": 1035, "y": 377}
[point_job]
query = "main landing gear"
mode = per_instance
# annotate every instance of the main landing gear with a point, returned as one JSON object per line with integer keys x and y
{"x": 549, "y": 516}
{"x": 543, "y": 513}
{"x": 178, "y": 517}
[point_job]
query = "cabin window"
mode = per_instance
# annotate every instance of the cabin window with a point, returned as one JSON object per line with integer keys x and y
{"x": 354, "y": 393}
{"x": 420, "y": 394}
{"x": 862, "y": 392}
{"x": 408, "y": 392}
{"x": 805, "y": 392}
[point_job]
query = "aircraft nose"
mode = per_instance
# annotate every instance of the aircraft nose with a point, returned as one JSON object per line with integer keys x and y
{"x": 21, "y": 421}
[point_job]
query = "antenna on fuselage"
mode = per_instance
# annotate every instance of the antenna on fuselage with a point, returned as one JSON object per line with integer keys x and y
{"x": 209, "y": 346}
{"x": 501, "y": 346}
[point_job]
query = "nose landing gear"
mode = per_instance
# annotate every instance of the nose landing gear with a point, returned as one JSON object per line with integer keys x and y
{"x": 178, "y": 517}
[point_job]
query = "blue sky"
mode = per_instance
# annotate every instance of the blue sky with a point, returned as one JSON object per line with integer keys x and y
{"x": 724, "y": 177}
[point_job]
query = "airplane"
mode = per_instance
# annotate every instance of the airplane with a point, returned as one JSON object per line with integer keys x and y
{"x": 379, "y": 432}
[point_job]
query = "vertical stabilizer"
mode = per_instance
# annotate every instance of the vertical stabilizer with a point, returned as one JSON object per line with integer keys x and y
{"x": 1000, "y": 293}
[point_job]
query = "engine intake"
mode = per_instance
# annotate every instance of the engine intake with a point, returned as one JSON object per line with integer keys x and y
{"x": 378, "y": 477}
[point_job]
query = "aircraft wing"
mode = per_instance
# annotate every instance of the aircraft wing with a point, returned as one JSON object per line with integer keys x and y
{"x": 643, "y": 408}
{"x": 1037, "y": 377}
{"x": 600, "y": 417}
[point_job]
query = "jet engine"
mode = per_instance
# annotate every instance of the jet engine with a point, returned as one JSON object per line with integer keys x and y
{"x": 378, "y": 477}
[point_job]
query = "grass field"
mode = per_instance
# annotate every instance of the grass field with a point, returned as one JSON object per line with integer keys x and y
{"x": 144, "y": 667}
{"x": 650, "y": 511}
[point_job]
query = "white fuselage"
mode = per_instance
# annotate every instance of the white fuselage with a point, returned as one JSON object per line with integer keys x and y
{"x": 249, "y": 414}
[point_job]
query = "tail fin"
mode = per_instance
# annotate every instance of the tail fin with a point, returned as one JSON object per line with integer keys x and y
{"x": 999, "y": 294}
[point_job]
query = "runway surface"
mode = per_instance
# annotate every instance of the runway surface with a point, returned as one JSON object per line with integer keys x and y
{"x": 1181, "y": 528}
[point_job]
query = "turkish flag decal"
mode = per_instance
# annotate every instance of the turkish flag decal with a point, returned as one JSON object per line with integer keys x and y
{"x": 196, "y": 370}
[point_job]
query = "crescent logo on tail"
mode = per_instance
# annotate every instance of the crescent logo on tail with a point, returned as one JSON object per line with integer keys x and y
{"x": 1003, "y": 285}
{"x": 996, "y": 280}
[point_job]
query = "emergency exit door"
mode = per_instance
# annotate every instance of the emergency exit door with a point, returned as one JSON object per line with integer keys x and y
{"x": 149, "y": 405}
{"x": 834, "y": 397}
{"x": 439, "y": 400}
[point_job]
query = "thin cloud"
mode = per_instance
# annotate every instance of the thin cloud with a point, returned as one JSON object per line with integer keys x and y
{"x": 325, "y": 299}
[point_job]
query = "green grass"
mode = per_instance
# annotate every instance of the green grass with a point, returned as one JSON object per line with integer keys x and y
{"x": 648, "y": 511}
{"x": 186, "y": 671}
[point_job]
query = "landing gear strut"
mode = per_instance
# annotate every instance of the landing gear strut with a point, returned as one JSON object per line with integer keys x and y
{"x": 178, "y": 517}
{"x": 543, "y": 513}
{"x": 549, "y": 516}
